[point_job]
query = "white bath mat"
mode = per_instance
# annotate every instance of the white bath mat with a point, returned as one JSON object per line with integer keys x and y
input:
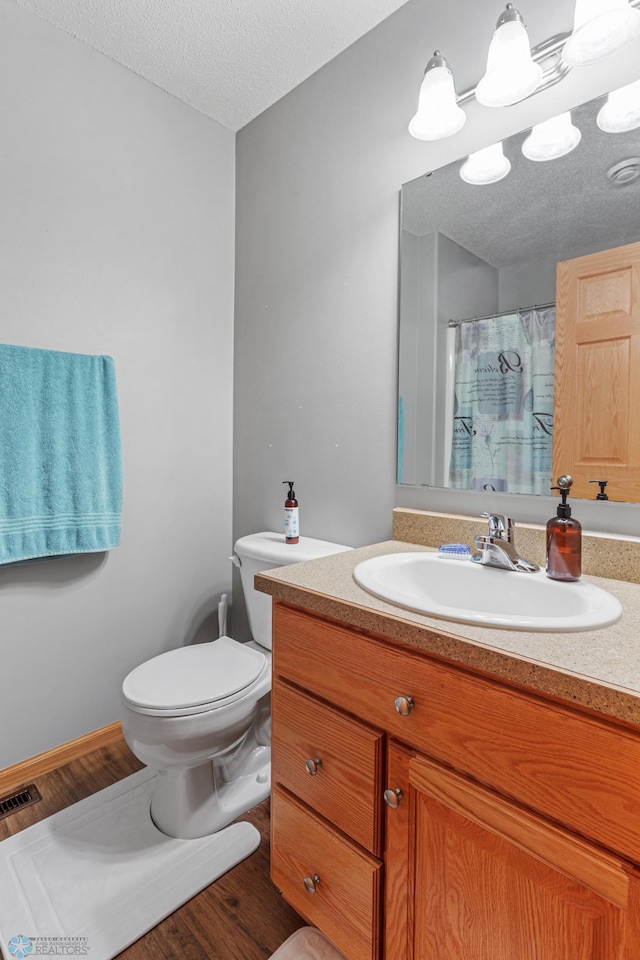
{"x": 93, "y": 878}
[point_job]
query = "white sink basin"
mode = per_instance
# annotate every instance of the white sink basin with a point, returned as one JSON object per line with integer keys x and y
{"x": 468, "y": 592}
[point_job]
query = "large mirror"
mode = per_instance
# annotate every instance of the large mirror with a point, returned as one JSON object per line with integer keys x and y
{"x": 475, "y": 251}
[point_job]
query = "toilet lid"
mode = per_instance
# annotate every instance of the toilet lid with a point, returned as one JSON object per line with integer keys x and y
{"x": 192, "y": 676}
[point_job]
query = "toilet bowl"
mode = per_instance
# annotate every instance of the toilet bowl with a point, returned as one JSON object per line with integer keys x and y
{"x": 201, "y": 715}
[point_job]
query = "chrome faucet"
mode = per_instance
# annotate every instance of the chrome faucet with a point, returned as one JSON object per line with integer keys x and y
{"x": 497, "y": 548}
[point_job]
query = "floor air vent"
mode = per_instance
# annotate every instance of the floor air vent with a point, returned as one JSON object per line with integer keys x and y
{"x": 23, "y": 797}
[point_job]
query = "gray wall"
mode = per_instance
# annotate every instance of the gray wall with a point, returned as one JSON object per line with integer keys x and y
{"x": 318, "y": 178}
{"x": 440, "y": 280}
{"x": 408, "y": 357}
{"x": 527, "y": 283}
{"x": 117, "y": 237}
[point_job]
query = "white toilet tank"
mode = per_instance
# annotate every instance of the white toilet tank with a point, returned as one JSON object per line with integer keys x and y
{"x": 263, "y": 551}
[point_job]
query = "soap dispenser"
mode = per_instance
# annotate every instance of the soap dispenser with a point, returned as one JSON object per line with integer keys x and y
{"x": 564, "y": 538}
{"x": 291, "y": 518}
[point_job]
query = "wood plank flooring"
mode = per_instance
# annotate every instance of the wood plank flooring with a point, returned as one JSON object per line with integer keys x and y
{"x": 239, "y": 917}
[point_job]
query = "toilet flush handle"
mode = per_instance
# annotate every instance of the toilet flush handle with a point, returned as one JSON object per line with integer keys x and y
{"x": 236, "y": 561}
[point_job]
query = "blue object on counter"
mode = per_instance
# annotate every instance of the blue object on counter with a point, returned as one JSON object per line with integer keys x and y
{"x": 60, "y": 456}
{"x": 455, "y": 551}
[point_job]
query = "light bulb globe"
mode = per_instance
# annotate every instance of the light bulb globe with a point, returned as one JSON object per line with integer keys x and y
{"x": 601, "y": 28}
{"x": 552, "y": 139}
{"x": 511, "y": 74}
{"x": 621, "y": 112}
{"x": 438, "y": 114}
{"x": 485, "y": 166}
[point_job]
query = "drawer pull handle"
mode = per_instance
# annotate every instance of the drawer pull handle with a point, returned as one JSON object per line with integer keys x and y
{"x": 404, "y": 705}
{"x": 311, "y": 883}
{"x": 393, "y": 797}
{"x": 312, "y": 766}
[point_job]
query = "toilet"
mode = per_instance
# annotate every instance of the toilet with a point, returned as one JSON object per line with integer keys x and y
{"x": 201, "y": 715}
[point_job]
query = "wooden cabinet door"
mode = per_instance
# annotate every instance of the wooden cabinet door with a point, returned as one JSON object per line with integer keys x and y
{"x": 489, "y": 880}
{"x": 596, "y": 434}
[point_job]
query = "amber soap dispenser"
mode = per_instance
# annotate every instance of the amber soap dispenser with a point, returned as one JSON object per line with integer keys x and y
{"x": 564, "y": 538}
{"x": 291, "y": 519}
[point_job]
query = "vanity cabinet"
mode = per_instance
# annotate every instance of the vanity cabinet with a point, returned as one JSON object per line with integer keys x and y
{"x": 513, "y": 821}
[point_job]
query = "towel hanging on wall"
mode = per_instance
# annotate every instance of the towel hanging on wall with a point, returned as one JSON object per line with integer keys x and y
{"x": 60, "y": 456}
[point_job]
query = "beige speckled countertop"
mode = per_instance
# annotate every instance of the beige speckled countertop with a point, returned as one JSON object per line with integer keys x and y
{"x": 598, "y": 669}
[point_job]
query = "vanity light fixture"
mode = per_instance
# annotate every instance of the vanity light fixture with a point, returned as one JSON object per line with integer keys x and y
{"x": 486, "y": 166}
{"x": 601, "y": 27}
{"x": 621, "y": 112}
{"x": 511, "y": 73}
{"x": 438, "y": 115}
{"x": 552, "y": 139}
{"x": 516, "y": 71}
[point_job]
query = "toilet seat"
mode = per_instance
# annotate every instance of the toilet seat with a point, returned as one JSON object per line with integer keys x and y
{"x": 194, "y": 679}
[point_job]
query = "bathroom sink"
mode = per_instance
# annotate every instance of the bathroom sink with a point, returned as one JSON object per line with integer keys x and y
{"x": 467, "y": 592}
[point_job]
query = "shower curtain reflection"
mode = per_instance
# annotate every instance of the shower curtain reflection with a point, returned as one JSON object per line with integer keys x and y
{"x": 503, "y": 403}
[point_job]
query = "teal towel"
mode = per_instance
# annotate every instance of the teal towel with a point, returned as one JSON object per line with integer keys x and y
{"x": 60, "y": 457}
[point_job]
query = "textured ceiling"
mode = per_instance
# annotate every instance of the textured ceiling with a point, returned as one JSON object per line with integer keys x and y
{"x": 230, "y": 59}
{"x": 541, "y": 211}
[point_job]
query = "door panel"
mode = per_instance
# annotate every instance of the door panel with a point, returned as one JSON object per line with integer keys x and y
{"x": 597, "y": 392}
{"x": 488, "y": 879}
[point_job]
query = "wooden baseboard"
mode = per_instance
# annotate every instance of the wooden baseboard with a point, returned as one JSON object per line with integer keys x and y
{"x": 29, "y": 770}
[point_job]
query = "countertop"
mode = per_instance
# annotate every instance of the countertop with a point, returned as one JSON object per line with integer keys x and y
{"x": 596, "y": 669}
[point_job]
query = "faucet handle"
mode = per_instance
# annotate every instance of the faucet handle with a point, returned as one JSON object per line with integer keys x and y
{"x": 500, "y": 526}
{"x": 496, "y": 523}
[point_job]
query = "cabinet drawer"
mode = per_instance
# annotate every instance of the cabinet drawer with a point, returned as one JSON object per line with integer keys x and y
{"x": 346, "y": 902}
{"x": 347, "y": 785}
{"x": 580, "y": 771}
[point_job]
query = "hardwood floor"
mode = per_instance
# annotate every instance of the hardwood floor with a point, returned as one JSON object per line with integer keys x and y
{"x": 239, "y": 917}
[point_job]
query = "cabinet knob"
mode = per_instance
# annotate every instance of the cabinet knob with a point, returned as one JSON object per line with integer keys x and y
{"x": 312, "y": 766}
{"x": 404, "y": 705}
{"x": 311, "y": 883}
{"x": 393, "y": 797}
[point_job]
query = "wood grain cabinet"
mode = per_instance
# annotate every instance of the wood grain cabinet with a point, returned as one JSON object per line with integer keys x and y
{"x": 597, "y": 388}
{"x": 512, "y": 824}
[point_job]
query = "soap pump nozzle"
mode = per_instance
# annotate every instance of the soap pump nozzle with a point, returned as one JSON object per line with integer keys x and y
{"x": 602, "y": 484}
{"x": 564, "y": 510}
{"x": 565, "y": 483}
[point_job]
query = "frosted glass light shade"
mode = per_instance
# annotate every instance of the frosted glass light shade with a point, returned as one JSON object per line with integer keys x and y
{"x": 511, "y": 74}
{"x": 438, "y": 114}
{"x": 621, "y": 112}
{"x": 486, "y": 166}
{"x": 601, "y": 27}
{"x": 552, "y": 139}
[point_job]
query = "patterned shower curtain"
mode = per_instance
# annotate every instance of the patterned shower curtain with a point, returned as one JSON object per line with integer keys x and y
{"x": 503, "y": 406}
